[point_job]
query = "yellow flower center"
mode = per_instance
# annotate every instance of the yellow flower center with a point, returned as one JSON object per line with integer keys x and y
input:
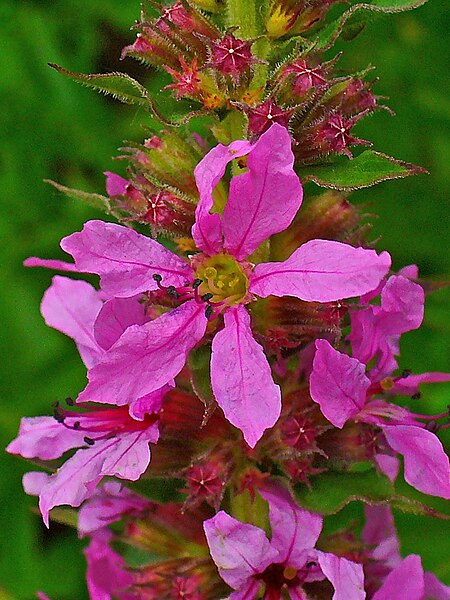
{"x": 289, "y": 573}
{"x": 223, "y": 277}
{"x": 386, "y": 384}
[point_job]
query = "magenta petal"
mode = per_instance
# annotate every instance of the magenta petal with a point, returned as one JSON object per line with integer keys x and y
{"x": 405, "y": 581}
{"x": 238, "y": 549}
{"x": 321, "y": 271}
{"x": 389, "y": 465}
{"x": 151, "y": 403}
{"x": 207, "y": 229}
{"x": 265, "y": 199}
{"x": 72, "y": 307}
{"x": 115, "y": 184}
{"x": 125, "y": 260}
{"x": 247, "y": 592}
{"x": 380, "y": 534}
{"x": 338, "y": 383}
{"x": 241, "y": 378}
{"x": 435, "y": 589}
{"x": 44, "y": 438}
{"x": 295, "y": 531}
{"x": 146, "y": 357}
{"x": 126, "y": 457}
{"x": 115, "y": 316}
{"x": 410, "y": 385}
{"x": 49, "y": 263}
{"x": 346, "y": 576}
{"x": 402, "y": 304}
{"x": 34, "y": 481}
{"x": 107, "y": 574}
{"x": 109, "y": 504}
{"x": 426, "y": 464}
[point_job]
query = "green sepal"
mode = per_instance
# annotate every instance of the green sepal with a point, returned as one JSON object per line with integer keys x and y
{"x": 119, "y": 85}
{"x": 365, "y": 170}
{"x": 129, "y": 91}
{"x": 158, "y": 489}
{"x": 353, "y": 20}
{"x": 94, "y": 200}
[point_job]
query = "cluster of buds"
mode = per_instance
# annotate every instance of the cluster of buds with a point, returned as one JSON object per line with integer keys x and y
{"x": 243, "y": 354}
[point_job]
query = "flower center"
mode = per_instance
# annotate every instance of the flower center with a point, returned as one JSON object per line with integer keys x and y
{"x": 223, "y": 279}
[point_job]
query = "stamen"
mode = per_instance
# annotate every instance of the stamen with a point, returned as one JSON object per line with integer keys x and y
{"x": 208, "y": 311}
{"x": 89, "y": 441}
{"x": 70, "y": 401}
{"x": 197, "y": 282}
{"x": 206, "y": 297}
{"x": 405, "y": 373}
{"x": 416, "y": 396}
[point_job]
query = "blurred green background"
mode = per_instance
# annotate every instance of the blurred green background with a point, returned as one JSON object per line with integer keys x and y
{"x": 54, "y": 128}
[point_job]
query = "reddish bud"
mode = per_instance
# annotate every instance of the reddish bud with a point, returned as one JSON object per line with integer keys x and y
{"x": 187, "y": 588}
{"x": 187, "y": 83}
{"x": 303, "y": 76}
{"x": 205, "y": 481}
{"x": 298, "y": 433}
{"x": 251, "y": 480}
{"x": 332, "y": 134}
{"x": 261, "y": 117}
{"x": 231, "y": 56}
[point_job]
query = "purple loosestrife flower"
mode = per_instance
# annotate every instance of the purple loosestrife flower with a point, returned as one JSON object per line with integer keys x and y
{"x": 109, "y": 443}
{"x": 343, "y": 390}
{"x": 248, "y": 561}
{"x": 387, "y": 575}
{"x": 220, "y": 279}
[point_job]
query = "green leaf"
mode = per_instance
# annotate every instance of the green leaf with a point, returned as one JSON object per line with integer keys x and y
{"x": 159, "y": 489}
{"x": 331, "y": 491}
{"x": 353, "y": 21}
{"x": 95, "y": 200}
{"x": 365, "y": 170}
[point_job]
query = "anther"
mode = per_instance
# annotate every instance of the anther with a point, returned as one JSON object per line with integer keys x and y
{"x": 89, "y": 441}
{"x": 70, "y": 401}
{"x": 58, "y": 415}
{"x": 405, "y": 373}
{"x": 197, "y": 283}
{"x": 55, "y": 404}
{"x": 416, "y": 396}
{"x": 310, "y": 565}
{"x": 207, "y": 297}
{"x": 157, "y": 277}
{"x": 172, "y": 291}
{"x": 208, "y": 311}
{"x": 76, "y": 425}
{"x": 432, "y": 426}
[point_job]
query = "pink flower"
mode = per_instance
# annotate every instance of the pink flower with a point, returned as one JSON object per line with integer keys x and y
{"x": 248, "y": 561}
{"x": 220, "y": 280}
{"x": 388, "y": 576}
{"x": 110, "y": 443}
{"x": 343, "y": 390}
